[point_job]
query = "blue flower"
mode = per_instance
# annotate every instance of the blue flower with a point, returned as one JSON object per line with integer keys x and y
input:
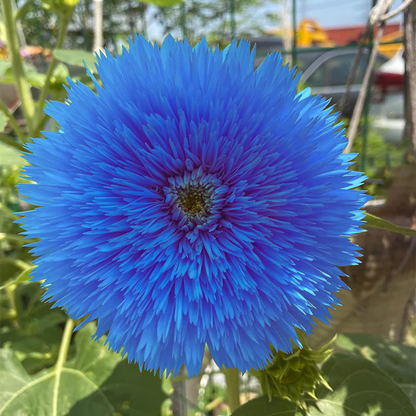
{"x": 193, "y": 201}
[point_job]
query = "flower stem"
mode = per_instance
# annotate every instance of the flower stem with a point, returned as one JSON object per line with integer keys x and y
{"x": 11, "y": 293}
{"x": 63, "y": 352}
{"x": 22, "y": 85}
{"x": 10, "y": 142}
{"x": 66, "y": 339}
{"x": 233, "y": 387}
{"x": 41, "y": 103}
{"x": 13, "y": 122}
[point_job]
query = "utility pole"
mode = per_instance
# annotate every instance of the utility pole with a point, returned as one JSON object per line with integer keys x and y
{"x": 98, "y": 25}
{"x": 294, "y": 27}
{"x": 409, "y": 29}
{"x": 287, "y": 36}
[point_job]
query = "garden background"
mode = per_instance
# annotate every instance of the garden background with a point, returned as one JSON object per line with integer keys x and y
{"x": 368, "y": 369}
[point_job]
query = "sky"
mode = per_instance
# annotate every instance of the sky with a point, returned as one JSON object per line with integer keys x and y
{"x": 328, "y": 13}
{"x": 338, "y": 13}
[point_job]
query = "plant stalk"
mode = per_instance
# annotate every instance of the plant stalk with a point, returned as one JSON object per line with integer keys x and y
{"x": 233, "y": 387}
{"x": 63, "y": 352}
{"x": 22, "y": 85}
{"x": 13, "y": 122}
{"x": 66, "y": 340}
{"x": 10, "y": 142}
{"x": 41, "y": 103}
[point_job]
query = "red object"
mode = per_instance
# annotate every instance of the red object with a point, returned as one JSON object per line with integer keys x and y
{"x": 388, "y": 80}
{"x": 346, "y": 35}
{"x": 385, "y": 82}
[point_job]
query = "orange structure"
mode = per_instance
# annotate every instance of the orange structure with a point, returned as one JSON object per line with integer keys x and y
{"x": 310, "y": 34}
{"x": 347, "y": 35}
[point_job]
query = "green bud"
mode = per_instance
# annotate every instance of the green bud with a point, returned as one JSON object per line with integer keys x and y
{"x": 62, "y": 8}
{"x": 295, "y": 376}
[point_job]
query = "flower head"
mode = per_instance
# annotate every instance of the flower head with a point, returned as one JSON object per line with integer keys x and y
{"x": 192, "y": 201}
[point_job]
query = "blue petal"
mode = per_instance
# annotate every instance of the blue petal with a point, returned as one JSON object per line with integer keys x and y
{"x": 117, "y": 243}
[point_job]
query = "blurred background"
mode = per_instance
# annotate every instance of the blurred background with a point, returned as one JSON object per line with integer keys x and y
{"x": 363, "y": 61}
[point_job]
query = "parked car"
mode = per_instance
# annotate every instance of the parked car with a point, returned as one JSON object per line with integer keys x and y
{"x": 387, "y": 106}
{"x": 326, "y": 72}
{"x": 329, "y": 73}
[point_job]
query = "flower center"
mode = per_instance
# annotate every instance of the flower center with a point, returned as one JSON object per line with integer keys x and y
{"x": 194, "y": 200}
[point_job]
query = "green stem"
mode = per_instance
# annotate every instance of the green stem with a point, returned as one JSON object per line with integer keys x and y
{"x": 11, "y": 293}
{"x": 66, "y": 340}
{"x": 41, "y": 103}
{"x": 13, "y": 122}
{"x": 41, "y": 124}
{"x": 10, "y": 142}
{"x": 63, "y": 352}
{"x": 233, "y": 387}
{"x": 23, "y": 10}
{"x": 16, "y": 238}
{"x": 22, "y": 85}
{"x": 183, "y": 20}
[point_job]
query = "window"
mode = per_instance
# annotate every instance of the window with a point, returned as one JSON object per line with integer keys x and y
{"x": 318, "y": 78}
{"x": 334, "y": 72}
{"x": 339, "y": 68}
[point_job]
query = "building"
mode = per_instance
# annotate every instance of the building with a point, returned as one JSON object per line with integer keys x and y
{"x": 346, "y": 35}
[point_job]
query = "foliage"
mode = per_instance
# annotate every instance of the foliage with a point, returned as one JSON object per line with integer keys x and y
{"x": 380, "y": 154}
{"x": 39, "y": 26}
{"x": 95, "y": 381}
{"x": 398, "y": 361}
{"x": 294, "y": 376}
{"x": 376, "y": 222}
{"x": 381, "y": 158}
{"x": 197, "y": 18}
{"x": 76, "y": 57}
{"x": 358, "y": 387}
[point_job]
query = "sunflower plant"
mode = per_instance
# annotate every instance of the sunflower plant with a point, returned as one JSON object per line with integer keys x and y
{"x": 184, "y": 206}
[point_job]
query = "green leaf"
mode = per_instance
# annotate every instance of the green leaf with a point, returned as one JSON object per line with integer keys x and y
{"x": 22, "y": 277}
{"x": 262, "y": 406}
{"x": 359, "y": 388}
{"x": 34, "y": 352}
{"x": 36, "y": 338}
{"x": 376, "y": 222}
{"x": 398, "y": 361}
{"x": 76, "y": 57}
{"x": 162, "y": 3}
{"x": 10, "y": 156}
{"x": 4, "y": 66}
{"x": 410, "y": 390}
{"x": 33, "y": 77}
{"x": 96, "y": 382}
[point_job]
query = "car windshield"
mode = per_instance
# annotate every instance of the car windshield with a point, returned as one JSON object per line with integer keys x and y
{"x": 305, "y": 59}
